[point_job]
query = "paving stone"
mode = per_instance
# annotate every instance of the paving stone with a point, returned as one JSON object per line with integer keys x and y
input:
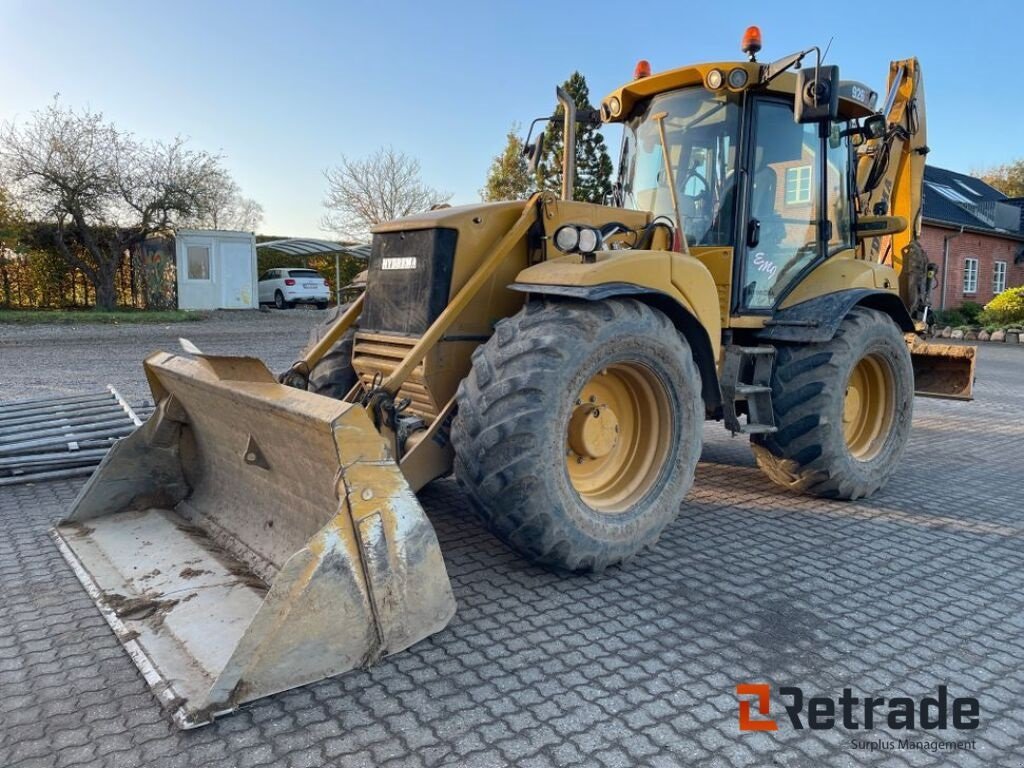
{"x": 919, "y": 586}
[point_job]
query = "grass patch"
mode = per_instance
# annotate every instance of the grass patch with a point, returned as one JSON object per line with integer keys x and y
{"x": 96, "y": 317}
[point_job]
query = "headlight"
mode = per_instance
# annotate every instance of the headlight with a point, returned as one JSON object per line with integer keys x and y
{"x": 567, "y": 238}
{"x": 589, "y": 240}
{"x": 737, "y": 78}
{"x": 714, "y": 80}
{"x": 614, "y": 106}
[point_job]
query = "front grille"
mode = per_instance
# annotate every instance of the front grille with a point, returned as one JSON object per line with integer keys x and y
{"x": 408, "y": 280}
{"x": 375, "y": 353}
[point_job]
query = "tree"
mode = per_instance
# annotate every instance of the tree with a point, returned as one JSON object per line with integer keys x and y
{"x": 1007, "y": 178}
{"x": 382, "y": 187}
{"x": 229, "y": 209}
{"x": 593, "y": 164}
{"x": 105, "y": 190}
{"x": 12, "y": 221}
{"x": 509, "y": 177}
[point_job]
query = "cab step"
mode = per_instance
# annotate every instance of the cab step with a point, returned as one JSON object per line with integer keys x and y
{"x": 746, "y": 377}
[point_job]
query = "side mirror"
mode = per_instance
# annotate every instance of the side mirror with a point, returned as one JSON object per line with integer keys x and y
{"x": 817, "y": 94}
{"x": 874, "y": 127}
{"x": 534, "y": 152}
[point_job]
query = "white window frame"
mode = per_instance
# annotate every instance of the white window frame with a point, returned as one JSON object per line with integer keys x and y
{"x": 948, "y": 192}
{"x": 964, "y": 186}
{"x": 999, "y": 278}
{"x": 970, "y": 276}
{"x": 803, "y": 177}
{"x": 209, "y": 271}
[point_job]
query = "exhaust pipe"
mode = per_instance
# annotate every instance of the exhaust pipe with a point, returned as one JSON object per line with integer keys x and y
{"x": 569, "y": 145}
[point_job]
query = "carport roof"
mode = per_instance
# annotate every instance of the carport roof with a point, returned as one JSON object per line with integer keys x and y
{"x": 296, "y": 246}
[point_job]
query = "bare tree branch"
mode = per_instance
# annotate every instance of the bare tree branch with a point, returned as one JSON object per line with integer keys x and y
{"x": 108, "y": 190}
{"x": 382, "y": 187}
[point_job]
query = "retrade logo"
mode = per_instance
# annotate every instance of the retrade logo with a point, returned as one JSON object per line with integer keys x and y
{"x": 851, "y": 712}
{"x": 763, "y": 693}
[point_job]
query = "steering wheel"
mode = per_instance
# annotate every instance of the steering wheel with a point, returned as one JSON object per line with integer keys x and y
{"x": 700, "y": 203}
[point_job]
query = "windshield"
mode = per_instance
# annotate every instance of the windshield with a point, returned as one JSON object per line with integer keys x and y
{"x": 701, "y": 132}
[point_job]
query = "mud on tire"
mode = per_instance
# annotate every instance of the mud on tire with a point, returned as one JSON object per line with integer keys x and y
{"x": 514, "y": 409}
{"x": 810, "y": 452}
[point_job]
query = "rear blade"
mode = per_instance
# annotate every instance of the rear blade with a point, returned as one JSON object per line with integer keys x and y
{"x": 943, "y": 370}
{"x": 250, "y": 538}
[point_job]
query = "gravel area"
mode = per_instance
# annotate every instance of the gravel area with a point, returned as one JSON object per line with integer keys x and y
{"x": 40, "y": 360}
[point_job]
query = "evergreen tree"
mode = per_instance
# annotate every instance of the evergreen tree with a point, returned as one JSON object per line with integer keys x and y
{"x": 593, "y": 165}
{"x": 508, "y": 177}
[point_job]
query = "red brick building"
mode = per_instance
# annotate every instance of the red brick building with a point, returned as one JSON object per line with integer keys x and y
{"x": 974, "y": 233}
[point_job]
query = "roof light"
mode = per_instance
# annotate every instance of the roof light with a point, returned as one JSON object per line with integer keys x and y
{"x": 643, "y": 69}
{"x": 714, "y": 79}
{"x": 752, "y": 42}
{"x": 737, "y": 78}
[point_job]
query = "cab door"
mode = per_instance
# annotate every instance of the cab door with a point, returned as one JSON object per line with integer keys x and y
{"x": 780, "y": 232}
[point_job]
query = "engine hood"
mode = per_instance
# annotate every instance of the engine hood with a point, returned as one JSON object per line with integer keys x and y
{"x": 454, "y": 217}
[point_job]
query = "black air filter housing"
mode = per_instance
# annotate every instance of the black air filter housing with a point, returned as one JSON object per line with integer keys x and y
{"x": 408, "y": 280}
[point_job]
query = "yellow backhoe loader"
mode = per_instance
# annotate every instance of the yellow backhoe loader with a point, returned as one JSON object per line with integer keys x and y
{"x": 757, "y": 264}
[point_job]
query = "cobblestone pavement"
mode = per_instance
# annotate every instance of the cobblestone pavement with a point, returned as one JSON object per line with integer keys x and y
{"x": 920, "y": 586}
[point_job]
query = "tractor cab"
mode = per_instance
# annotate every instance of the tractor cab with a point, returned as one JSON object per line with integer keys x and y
{"x": 745, "y": 157}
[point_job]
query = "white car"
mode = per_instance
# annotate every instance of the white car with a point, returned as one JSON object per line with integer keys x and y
{"x": 286, "y": 287}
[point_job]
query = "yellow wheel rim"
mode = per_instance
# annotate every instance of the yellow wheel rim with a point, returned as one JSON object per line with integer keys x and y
{"x": 618, "y": 436}
{"x": 869, "y": 407}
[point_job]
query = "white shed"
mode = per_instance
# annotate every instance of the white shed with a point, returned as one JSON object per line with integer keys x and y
{"x": 216, "y": 269}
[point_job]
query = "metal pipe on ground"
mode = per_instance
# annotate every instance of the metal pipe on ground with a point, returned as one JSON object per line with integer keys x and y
{"x": 97, "y": 425}
{"x": 69, "y": 440}
{"x": 34, "y": 405}
{"x": 72, "y": 417}
{"x": 56, "y": 474}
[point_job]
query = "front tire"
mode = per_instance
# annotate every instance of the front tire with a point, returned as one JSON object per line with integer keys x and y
{"x": 578, "y": 430}
{"x": 333, "y": 375}
{"x": 843, "y": 410}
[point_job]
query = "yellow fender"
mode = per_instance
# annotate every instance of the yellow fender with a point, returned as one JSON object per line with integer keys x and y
{"x": 681, "y": 278}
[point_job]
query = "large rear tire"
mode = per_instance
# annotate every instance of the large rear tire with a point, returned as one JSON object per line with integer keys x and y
{"x": 843, "y": 409}
{"x": 578, "y": 430}
{"x": 333, "y": 376}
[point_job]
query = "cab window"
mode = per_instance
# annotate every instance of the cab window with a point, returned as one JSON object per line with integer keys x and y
{"x": 783, "y": 192}
{"x": 837, "y": 190}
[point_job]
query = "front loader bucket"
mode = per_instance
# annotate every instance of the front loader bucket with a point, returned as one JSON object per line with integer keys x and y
{"x": 250, "y": 538}
{"x": 943, "y": 370}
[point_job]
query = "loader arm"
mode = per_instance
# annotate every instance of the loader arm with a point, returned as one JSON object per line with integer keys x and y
{"x": 890, "y": 172}
{"x": 890, "y": 175}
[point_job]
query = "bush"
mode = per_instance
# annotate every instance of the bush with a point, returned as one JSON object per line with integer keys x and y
{"x": 1006, "y": 308}
{"x": 950, "y": 317}
{"x": 971, "y": 310}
